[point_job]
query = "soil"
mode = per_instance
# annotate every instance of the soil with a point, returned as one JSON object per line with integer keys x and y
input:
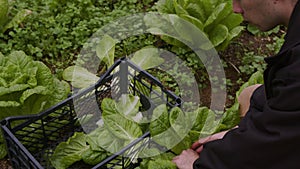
{"x": 4, "y": 164}
{"x": 244, "y": 43}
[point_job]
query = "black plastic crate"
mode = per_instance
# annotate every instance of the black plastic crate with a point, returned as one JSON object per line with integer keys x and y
{"x": 32, "y": 139}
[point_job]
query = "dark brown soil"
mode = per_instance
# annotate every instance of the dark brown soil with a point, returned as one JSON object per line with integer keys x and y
{"x": 4, "y": 164}
{"x": 246, "y": 42}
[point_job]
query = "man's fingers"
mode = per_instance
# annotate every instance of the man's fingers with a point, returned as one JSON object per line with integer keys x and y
{"x": 200, "y": 142}
{"x": 199, "y": 149}
{"x": 174, "y": 159}
{"x": 186, "y": 159}
{"x": 198, "y": 146}
{"x": 195, "y": 145}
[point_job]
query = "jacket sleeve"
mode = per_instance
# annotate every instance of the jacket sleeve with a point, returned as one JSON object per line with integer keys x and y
{"x": 269, "y": 135}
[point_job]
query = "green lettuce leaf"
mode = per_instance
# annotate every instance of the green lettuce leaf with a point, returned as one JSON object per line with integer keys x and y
{"x": 166, "y": 131}
{"x": 161, "y": 164}
{"x": 67, "y": 153}
{"x": 218, "y": 34}
{"x": 201, "y": 116}
{"x": 102, "y": 139}
{"x": 106, "y": 50}
{"x": 166, "y": 6}
{"x": 181, "y": 122}
{"x": 79, "y": 77}
{"x": 92, "y": 157}
{"x": 16, "y": 20}
{"x": 210, "y": 16}
{"x": 128, "y": 105}
{"x": 194, "y": 21}
{"x": 117, "y": 123}
{"x": 195, "y": 10}
{"x": 160, "y": 120}
{"x": 147, "y": 57}
{"x": 27, "y": 86}
{"x": 179, "y": 8}
{"x": 122, "y": 127}
{"x": 162, "y": 160}
{"x": 184, "y": 144}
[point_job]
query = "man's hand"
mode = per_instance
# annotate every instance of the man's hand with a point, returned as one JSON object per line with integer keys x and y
{"x": 198, "y": 145}
{"x": 186, "y": 159}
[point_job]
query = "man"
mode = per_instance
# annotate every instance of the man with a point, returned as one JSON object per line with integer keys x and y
{"x": 268, "y": 137}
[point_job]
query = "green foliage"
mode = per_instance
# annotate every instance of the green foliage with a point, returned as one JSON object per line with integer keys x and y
{"x": 124, "y": 129}
{"x": 3, "y": 11}
{"x": 3, "y": 151}
{"x": 255, "y": 31}
{"x": 69, "y": 152}
{"x": 232, "y": 113}
{"x": 252, "y": 63}
{"x": 116, "y": 130}
{"x": 255, "y": 78}
{"x": 161, "y": 161}
{"x": 16, "y": 20}
{"x": 188, "y": 127}
{"x": 27, "y": 87}
{"x": 76, "y": 148}
{"x": 215, "y": 18}
{"x": 56, "y": 30}
{"x": 80, "y": 77}
{"x": 276, "y": 45}
{"x": 122, "y": 123}
{"x": 7, "y": 22}
{"x": 106, "y": 50}
{"x": 278, "y": 36}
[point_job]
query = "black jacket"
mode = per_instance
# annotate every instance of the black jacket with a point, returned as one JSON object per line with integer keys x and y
{"x": 269, "y": 135}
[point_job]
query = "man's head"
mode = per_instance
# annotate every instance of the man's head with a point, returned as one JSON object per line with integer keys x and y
{"x": 265, "y": 14}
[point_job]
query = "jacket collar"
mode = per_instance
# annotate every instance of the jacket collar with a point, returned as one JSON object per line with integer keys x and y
{"x": 292, "y": 37}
